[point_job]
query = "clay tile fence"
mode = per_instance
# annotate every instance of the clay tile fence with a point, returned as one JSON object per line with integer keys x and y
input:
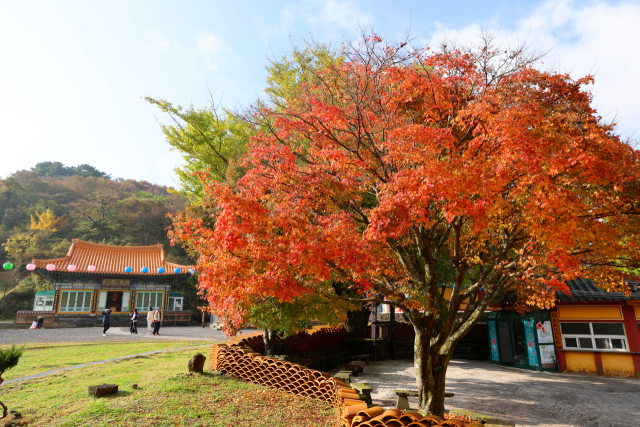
{"x": 241, "y": 357}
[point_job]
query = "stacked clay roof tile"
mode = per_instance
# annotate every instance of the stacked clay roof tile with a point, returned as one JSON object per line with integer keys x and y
{"x": 238, "y": 357}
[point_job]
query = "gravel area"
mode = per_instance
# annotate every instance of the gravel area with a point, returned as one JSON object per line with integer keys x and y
{"x": 529, "y": 398}
{"x": 192, "y": 333}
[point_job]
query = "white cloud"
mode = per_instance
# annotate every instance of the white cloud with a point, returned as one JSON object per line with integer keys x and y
{"x": 598, "y": 38}
{"x": 331, "y": 17}
{"x": 159, "y": 43}
{"x": 340, "y": 13}
{"x": 214, "y": 50}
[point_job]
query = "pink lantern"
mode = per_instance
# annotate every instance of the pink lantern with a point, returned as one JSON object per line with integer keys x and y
{"x": 91, "y": 268}
{"x": 31, "y": 267}
{"x": 51, "y": 267}
{"x": 71, "y": 267}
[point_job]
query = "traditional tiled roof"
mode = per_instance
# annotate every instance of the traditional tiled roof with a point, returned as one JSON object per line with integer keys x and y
{"x": 585, "y": 290}
{"x": 111, "y": 259}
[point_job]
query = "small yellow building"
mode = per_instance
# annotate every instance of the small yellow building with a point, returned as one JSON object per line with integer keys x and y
{"x": 597, "y": 332}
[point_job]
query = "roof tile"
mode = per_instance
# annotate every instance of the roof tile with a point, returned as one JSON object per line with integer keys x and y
{"x": 113, "y": 259}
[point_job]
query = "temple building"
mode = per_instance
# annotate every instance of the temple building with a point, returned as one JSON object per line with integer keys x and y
{"x": 92, "y": 277}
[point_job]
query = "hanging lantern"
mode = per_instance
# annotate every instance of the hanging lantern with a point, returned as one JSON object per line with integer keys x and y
{"x": 161, "y": 270}
{"x": 192, "y": 271}
{"x": 128, "y": 269}
{"x": 177, "y": 271}
{"x": 91, "y": 268}
{"x": 71, "y": 267}
{"x": 31, "y": 267}
{"x": 145, "y": 269}
{"x": 7, "y": 266}
{"x": 51, "y": 267}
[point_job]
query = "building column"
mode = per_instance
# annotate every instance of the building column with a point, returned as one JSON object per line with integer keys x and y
{"x": 633, "y": 334}
{"x": 56, "y": 299}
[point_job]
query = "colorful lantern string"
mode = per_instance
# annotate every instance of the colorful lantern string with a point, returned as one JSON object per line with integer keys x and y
{"x": 71, "y": 267}
{"x": 145, "y": 269}
{"x": 177, "y": 270}
{"x": 91, "y": 268}
{"x": 161, "y": 270}
{"x": 128, "y": 269}
{"x": 31, "y": 267}
{"x": 51, "y": 267}
{"x": 7, "y": 266}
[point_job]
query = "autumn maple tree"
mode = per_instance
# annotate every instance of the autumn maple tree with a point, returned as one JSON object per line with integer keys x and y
{"x": 403, "y": 172}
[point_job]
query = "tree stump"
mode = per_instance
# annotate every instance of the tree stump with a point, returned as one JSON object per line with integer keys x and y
{"x": 103, "y": 390}
{"x": 196, "y": 364}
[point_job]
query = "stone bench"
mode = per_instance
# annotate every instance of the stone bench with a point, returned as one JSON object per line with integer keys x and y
{"x": 345, "y": 376}
{"x": 364, "y": 391}
{"x": 364, "y": 356}
{"x": 355, "y": 367}
{"x": 403, "y": 402}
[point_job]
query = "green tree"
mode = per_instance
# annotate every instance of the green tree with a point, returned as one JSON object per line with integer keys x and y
{"x": 9, "y": 358}
{"x": 211, "y": 140}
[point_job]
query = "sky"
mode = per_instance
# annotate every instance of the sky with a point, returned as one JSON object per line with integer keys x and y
{"x": 73, "y": 73}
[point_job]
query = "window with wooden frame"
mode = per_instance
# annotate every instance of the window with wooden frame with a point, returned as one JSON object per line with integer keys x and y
{"x": 144, "y": 300}
{"x": 594, "y": 336}
{"x": 75, "y": 301}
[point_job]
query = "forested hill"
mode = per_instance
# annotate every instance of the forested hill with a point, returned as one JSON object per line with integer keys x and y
{"x": 43, "y": 209}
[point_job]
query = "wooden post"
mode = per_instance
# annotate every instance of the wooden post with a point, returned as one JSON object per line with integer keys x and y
{"x": 374, "y": 327}
{"x": 203, "y": 319}
{"x": 392, "y": 324}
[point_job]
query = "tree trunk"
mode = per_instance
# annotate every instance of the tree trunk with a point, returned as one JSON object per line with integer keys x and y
{"x": 355, "y": 326}
{"x": 431, "y": 370}
{"x": 272, "y": 343}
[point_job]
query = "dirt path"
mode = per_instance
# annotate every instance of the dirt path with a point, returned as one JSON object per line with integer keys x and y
{"x": 530, "y": 398}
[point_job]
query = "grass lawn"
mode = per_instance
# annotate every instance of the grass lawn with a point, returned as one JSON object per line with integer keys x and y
{"x": 40, "y": 357}
{"x": 167, "y": 396}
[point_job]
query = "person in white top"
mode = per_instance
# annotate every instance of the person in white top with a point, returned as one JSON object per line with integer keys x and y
{"x": 150, "y": 320}
{"x": 157, "y": 319}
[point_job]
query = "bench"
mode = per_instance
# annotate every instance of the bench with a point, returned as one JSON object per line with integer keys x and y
{"x": 355, "y": 367}
{"x": 403, "y": 402}
{"x": 364, "y": 391}
{"x": 345, "y": 376}
{"x": 364, "y": 356}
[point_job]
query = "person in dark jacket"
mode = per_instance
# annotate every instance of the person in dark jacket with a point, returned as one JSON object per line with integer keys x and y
{"x": 106, "y": 314}
{"x": 134, "y": 322}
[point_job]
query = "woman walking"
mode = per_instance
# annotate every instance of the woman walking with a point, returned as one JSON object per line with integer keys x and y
{"x": 134, "y": 322}
{"x": 150, "y": 320}
{"x": 157, "y": 319}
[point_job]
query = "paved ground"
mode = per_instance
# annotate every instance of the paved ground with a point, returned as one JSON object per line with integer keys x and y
{"x": 530, "y": 398}
{"x": 20, "y": 336}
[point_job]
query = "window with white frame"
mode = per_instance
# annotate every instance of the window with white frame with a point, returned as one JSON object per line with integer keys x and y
{"x": 594, "y": 336}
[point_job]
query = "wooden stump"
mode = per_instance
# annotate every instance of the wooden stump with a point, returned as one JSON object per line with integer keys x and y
{"x": 103, "y": 390}
{"x": 196, "y": 364}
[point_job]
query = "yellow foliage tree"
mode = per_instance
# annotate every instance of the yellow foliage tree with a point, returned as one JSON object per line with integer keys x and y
{"x": 46, "y": 221}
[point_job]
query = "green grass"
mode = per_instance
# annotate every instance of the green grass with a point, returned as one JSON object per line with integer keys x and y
{"x": 40, "y": 357}
{"x": 167, "y": 396}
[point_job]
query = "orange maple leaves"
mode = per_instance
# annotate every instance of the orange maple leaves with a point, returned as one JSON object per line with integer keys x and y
{"x": 398, "y": 176}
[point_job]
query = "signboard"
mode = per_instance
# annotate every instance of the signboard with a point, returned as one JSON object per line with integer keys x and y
{"x": 557, "y": 336}
{"x": 547, "y": 353}
{"x": 116, "y": 282}
{"x": 545, "y": 333}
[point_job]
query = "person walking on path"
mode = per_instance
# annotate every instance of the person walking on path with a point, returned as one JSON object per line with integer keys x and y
{"x": 133, "y": 329}
{"x": 106, "y": 314}
{"x": 157, "y": 319}
{"x": 150, "y": 320}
